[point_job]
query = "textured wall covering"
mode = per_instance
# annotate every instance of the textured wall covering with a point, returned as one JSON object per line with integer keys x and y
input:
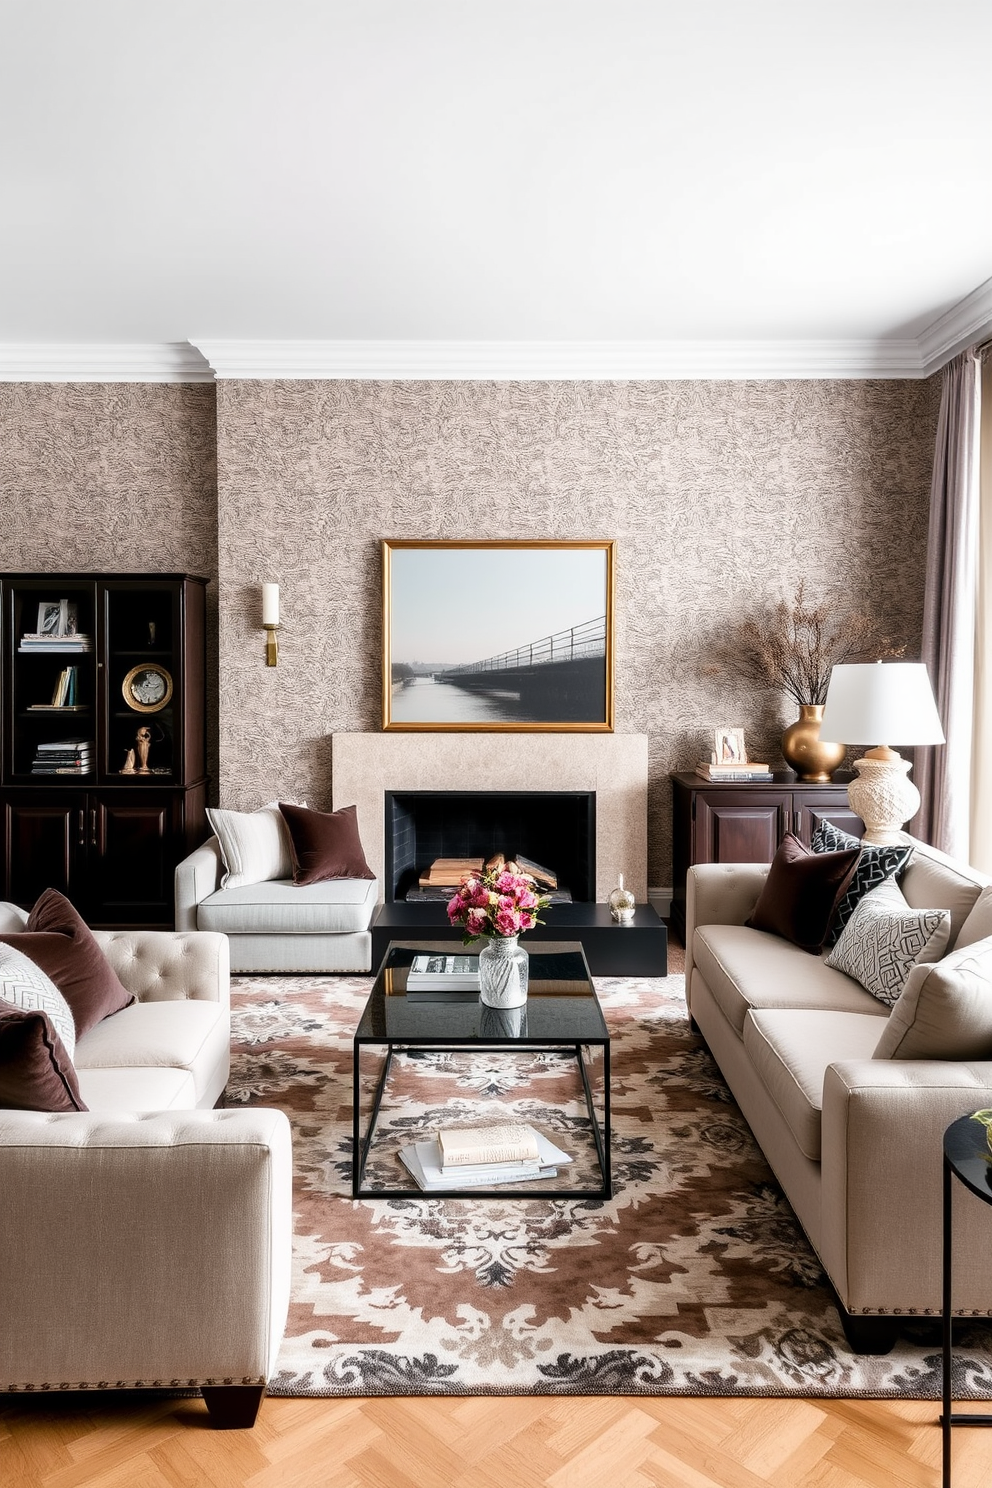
{"x": 112, "y": 477}
{"x": 720, "y": 495}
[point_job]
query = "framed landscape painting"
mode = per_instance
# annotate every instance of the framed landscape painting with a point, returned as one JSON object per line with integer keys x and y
{"x": 497, "y": 635}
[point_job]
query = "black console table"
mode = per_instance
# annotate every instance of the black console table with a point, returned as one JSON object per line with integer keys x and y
{"x": 638, "y": 949}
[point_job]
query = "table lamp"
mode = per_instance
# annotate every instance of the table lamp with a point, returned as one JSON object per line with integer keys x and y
{"x": 867, "y": 702}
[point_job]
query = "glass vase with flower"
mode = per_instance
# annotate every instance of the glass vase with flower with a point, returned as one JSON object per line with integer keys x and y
{"x": 498, "y": 907}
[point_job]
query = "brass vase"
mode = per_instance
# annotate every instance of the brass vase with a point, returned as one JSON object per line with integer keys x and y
{"x": 804, "y": 751}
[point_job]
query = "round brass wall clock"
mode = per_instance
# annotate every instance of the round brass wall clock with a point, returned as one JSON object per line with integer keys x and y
{"x": 147, "y": 687}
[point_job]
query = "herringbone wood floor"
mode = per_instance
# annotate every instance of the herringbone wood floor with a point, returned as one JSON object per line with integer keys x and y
{"x": 127, "y": 1442}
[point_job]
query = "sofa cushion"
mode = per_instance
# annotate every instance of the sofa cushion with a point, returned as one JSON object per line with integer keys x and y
{"x": 254, "y": 845}
{"x": 334, "y": 907}
{"x": 978, "y": 925}
{"x": 801, "y": 893}
{"x": 59, "y": 940}
{"x": 182, "y": 1035}
{"x": 945, "y": 1011}
{"x": 747, "y": 969}
{"x": 36, "y": 1073}
{"x": 876, "y": 863}
{"x": 884, "y": 939}
{"x": 791, "y": 1051}
{"x": 137, "y": 1089}
{"x": 326, "y": 844}
{"x": 24, "y": 985}
{"x": 934, "y": 881}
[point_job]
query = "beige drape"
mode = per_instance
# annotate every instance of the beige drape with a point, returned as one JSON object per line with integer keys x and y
{"x": 981, "y": 761}
{"x": 943, "y": 773}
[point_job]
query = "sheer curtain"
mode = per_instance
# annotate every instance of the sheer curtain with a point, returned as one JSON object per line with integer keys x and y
{"x": 944, "y": 774}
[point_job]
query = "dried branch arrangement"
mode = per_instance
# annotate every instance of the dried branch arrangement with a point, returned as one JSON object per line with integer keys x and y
{"x": 796, "y": 647}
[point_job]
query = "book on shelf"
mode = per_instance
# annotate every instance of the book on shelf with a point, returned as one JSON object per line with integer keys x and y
{"x": 439, "y": 973}
{"x": 423, "y": 1161}
{"x": 69, "y": 643}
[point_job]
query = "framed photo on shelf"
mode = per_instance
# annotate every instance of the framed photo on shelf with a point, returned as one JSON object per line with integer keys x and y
{"x": 50, "y": 617}
{"x": 497, "y": 635}
{"x": 729, "y": 747}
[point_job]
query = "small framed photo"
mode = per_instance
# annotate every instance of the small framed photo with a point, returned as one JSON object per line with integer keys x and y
{"x": 50, "y": 617}
{"x": 729, "y": 747}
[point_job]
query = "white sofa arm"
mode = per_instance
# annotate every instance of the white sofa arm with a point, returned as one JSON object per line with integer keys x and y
{"x": 163, "y": 966}
{"x": 143, "y": 1250}
{"x": 882, "y": 1141}
{"x": 719, "y": 894}
{"x": 197, "y": 877}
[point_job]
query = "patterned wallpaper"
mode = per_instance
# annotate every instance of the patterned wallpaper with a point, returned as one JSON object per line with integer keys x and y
{"x": 721, "y": 496}
{"x": 112, "y": 478}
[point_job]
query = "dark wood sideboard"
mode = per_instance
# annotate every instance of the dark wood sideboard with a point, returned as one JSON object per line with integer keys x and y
{"x": 741, "y": 822}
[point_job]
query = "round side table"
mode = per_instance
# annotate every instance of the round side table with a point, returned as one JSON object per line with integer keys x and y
{"x": 967, "y": 1158}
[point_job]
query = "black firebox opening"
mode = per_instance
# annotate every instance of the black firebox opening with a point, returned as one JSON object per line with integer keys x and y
{"x": 554, "y": 828}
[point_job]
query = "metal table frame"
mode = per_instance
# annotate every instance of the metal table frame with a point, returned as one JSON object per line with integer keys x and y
{"x": 949, "y": 1418}
{"x": 362, "y": 1144}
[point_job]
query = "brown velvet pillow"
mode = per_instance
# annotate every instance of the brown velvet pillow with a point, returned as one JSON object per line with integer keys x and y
{"x": 802, "y": 892}
{"x": 59, "y": 940}
{"x": 36, "y": 1073}
{"x": 326, "y": 844}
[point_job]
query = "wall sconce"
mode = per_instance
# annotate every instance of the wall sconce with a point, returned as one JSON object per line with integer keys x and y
{"x": 270, "y": 622}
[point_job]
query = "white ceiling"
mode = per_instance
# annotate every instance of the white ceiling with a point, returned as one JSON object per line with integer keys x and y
{"x": 632, "y": 171}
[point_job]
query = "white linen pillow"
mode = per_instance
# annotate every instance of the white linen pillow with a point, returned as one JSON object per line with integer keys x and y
{"x": 255, "y": 845}
{"x": 945, "y": 1011}
{"x": 978, "y": 925}
{"x": 27, "y": 987}
{"x": 884, "y": 939}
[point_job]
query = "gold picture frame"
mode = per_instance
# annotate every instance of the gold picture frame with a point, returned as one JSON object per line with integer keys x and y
{"x": 498, "y": 636}
{"x": 147, "y": 688}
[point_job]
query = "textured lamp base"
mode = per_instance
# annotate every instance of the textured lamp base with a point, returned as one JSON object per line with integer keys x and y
{"x": 883, "y": 797}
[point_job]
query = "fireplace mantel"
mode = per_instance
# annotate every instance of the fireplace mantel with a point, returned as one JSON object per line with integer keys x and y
{"x": 615, "y": 766}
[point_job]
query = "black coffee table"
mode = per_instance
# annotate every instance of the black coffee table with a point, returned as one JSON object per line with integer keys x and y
{"x": 562, "y": 1012}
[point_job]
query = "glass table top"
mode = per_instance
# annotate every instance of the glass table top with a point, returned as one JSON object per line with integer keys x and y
{"x": 561, "y": 1007}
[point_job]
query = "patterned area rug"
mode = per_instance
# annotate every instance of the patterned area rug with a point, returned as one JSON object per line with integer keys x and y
{"x": 694, "y": 1279}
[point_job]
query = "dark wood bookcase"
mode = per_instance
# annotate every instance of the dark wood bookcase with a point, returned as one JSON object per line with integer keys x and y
{"x": 72, "y": 817}
{"x": 744, "y": 822}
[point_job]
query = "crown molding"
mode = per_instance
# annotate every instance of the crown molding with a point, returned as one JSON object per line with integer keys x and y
{"x": 121, "y": 361}
{"x": 965, "y": 324}
{"x": 513, "y": 361}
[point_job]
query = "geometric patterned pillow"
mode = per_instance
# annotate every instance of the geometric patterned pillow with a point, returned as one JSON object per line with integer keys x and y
{"x": 27, "y": 987}
{"x": 884, "y": 939}
{"x": 875, "y": 865}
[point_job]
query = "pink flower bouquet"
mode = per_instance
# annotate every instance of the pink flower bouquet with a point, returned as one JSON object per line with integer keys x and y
{"x": 497, "y": 903}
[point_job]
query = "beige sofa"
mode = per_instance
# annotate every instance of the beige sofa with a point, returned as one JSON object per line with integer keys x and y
{"x": 278, "y": 926}
{"x": 146, "y": 1241}
{"x": 855, "y": 1142}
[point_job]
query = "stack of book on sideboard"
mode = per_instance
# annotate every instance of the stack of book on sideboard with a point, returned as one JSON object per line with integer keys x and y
{"x": 734, "y": 770}
{"x": 482, "y": 1157}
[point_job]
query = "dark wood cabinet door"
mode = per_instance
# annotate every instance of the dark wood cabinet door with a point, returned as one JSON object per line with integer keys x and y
{"x": 43, "y": 844}
{"x": 811, "y": 807}
{"x": 738, "y": 827}
{"x": 134, "y": 850}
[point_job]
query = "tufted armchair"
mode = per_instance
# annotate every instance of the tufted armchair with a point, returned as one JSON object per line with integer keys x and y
{"x": 146, "y": 1241}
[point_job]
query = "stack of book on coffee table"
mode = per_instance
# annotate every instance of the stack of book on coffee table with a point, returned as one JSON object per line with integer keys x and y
{"x": 439, "y": 978}
{"x": 482, "y": 1157}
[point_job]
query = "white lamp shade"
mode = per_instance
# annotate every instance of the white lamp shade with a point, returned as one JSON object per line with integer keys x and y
{"x": 882, "y": 702}
{"x": 270, "y": 604}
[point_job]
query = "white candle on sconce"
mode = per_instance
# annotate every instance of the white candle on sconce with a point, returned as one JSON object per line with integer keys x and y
{"x": 270, "y": 604}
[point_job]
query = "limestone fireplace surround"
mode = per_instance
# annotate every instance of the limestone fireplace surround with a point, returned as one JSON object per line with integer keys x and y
{"x": 615, "y": 766}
